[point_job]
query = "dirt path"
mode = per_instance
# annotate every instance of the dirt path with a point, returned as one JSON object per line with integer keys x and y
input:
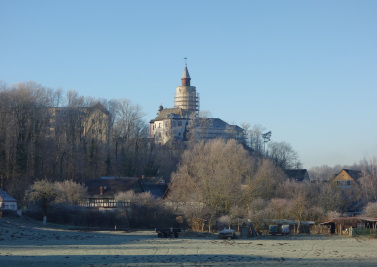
{"x": 24, "y": 243}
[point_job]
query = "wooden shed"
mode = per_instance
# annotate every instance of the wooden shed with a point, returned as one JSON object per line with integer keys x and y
{"x": 343, "y": 225}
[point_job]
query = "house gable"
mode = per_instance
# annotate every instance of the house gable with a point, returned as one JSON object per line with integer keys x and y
{"x": 101, "y": 192}
{"x": 7, "y": 202}
{"x": 110, "y": 187}
{"x": 298, "y": 175}
{"x": 347, "y": 181}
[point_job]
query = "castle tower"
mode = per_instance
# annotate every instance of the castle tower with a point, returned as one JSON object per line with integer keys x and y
{"x": 186, "y": 97}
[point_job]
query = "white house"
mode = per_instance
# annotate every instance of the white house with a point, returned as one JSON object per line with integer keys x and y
{"x": 7, "y": 202}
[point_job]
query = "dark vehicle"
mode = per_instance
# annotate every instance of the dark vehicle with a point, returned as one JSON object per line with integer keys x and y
{"x": 228, "y": 234}
{"x": 168, "y": 232}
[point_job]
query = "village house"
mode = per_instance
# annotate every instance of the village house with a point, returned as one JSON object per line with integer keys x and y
{"x": 102, "y": 192}
{"x": 298, "y": 175}
{"x": 7, "y": 202}
{"x": 347, "y": 181}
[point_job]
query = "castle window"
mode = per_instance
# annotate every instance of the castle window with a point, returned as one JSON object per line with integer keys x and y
{"x": 179, "y": 123}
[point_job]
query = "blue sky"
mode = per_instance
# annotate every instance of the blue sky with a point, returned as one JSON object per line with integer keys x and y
{"x": 305, "y": 70}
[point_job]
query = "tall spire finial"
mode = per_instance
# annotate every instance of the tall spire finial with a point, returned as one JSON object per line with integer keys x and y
{"x": 185, "y": 61}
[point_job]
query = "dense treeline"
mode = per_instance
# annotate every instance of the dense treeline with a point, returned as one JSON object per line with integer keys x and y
{"x": 30, "y": 151}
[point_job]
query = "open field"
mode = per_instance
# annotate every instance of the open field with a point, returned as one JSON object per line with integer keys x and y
{"x": 29, "y": 243}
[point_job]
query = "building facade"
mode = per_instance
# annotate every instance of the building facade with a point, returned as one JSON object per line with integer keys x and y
{"x": 182, "y": 122}
{"x": 93, "y": 123}
{"x": 347, "y": 181}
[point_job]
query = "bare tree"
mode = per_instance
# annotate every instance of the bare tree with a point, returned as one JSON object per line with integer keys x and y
{"x": 264, "y": 180}
{"x": 330, "y": 198}
{"x": 130, "y": 134}
{"x": 43, "y": 192}
{"x": 70, "y": 192}
{"x": 140, "y": 209}
{"x": 124, "y": 200}
{"x": 254, "y": 138}
{"x": 283, "y": 155}
{"x": 368, "y": 181}
{"x": 212, "y": 173}
{"x": 371, "y": 210}
{"x": 298, "y": 195}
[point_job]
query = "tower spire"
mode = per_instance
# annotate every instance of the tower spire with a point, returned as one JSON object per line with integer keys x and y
{"x": 185, "y": 76}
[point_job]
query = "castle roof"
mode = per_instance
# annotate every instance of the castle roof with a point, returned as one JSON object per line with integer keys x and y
{"x": 298, "y": 175}
{"x": 171, "y": 113}
{"x": 216, "y": 123}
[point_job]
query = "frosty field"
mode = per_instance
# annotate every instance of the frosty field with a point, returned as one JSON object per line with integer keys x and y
{"x": 29, "y": 243}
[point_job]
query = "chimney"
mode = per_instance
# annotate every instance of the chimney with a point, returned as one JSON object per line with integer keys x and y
{"x": 101, "y": 190}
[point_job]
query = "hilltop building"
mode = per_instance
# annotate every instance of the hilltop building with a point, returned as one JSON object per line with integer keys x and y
{"x": 182, "y": 122}
{"x": 93, "y": 123}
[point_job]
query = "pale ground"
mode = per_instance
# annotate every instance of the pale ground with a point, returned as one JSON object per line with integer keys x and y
{"x": 29, "y": 243}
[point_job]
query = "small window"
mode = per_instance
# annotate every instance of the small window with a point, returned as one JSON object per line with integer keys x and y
{"x": 159, "y": 125}
{"x": 93, "y": 121}
{"x": 179, "y": 123}
{"x": 179, "y": 134}
{"x": 344, "y": 182}
{"x": 93, "y": 131}
{"x": 173, "y": 124}
{"x": 348, "y": 182}
{"x": 166, "y": 133}
{"x": 100, "y": 131}
{"x": 159, "y": 134}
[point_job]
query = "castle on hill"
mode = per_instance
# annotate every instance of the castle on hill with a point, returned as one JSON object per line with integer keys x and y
{"x": 183, "y": 122}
